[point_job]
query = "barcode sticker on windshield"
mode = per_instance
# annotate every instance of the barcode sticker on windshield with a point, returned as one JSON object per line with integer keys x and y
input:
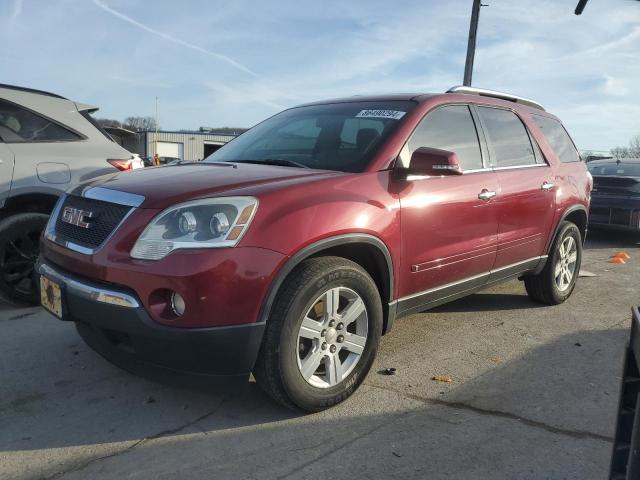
{"x": 392, "y": 114}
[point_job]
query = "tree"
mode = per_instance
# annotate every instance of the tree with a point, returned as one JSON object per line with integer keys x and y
{"x": 619, "y": 152}
{"x": 634, "y": 147}
{"x": 632, "y": 151}
{"x": 109, "y": 122}
{"x": 138, "y": 124}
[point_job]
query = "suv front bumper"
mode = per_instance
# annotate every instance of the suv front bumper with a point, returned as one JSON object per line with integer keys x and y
{"x": 115, "y": 324}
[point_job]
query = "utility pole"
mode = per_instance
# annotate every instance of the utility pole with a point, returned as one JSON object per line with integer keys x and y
{"x": 155, "y": 140}
{"x": 471, "y": 46}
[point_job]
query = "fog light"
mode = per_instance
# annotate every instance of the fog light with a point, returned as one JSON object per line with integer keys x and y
{"x": 177, "y": 304}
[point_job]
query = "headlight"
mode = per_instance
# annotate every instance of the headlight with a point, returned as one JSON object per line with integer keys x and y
{"x": 208, "y": 223}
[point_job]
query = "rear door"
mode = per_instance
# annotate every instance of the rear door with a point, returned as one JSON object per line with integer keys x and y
{"x": 6, "y": 171}
{"x": 449, "y": 233}
{"x": 526, "y": 200}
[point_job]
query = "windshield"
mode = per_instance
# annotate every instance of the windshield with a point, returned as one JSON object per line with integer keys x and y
{"x": 615, "y": 169}
{"x": 339, "y": 136}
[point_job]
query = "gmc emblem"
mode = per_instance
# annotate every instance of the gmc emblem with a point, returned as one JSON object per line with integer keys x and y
{"x": 76, "y": 217}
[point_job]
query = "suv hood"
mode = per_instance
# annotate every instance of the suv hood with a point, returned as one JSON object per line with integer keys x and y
{"x": 172, "y": 184}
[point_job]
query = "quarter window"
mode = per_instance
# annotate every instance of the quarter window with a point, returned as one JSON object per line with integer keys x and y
{"x": 508, "y": 139}
{"x": 450, "y": 128}
{"x": 19, "y": 125}
{"x": 558, "y": 138}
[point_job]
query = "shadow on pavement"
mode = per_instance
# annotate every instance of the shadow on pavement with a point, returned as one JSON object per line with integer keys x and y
{"x": 525, "y": 418}
{"x": 484, "y": 301}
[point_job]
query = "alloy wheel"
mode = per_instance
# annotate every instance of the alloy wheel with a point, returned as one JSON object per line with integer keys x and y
{"x": 17, "y": 262}
{"x": 332, "y": 337}
{"x": 565, "y": 268}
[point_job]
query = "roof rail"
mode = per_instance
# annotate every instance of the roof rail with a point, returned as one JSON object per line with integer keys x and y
{"x": 31, "y": 90}
{"x": 492, "y": 93}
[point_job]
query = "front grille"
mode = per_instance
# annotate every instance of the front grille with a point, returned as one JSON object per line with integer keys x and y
{"x": 104, "y": 220}
{"x": 620, "y": 216}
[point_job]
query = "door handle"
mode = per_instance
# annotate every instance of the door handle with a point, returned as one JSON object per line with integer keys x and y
{"x": 486, "y": 194}
{"x": 546, "y": 186}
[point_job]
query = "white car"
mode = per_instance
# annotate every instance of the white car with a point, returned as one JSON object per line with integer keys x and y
{"x": 47, "y": 144}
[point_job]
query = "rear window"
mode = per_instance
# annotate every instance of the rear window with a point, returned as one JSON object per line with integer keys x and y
{"x": 93, "y": 121}
{"x": 558, "y": 138}
{"x": 338, "y": 136}
{"x": 509, "y": 140}
{"x": 19, "y": 125}
{"x": 614, "y": 169}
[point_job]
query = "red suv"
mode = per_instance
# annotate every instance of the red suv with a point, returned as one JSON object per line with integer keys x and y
{"x": 292, "y": 249}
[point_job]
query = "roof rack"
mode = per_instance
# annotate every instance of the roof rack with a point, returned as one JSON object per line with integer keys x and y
{"x": 492, "y": 93}
{"x": 31, "y": 90}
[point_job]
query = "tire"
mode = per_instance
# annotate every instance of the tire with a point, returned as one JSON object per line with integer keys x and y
{"x": 287, "y": 354}
{"x": 547, "y": 287}
{"x": 19, "y": 250}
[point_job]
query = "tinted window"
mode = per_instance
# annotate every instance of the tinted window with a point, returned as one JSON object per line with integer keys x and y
{"x": 20, "y": 125}
{"x": 93, "y": 122}
{"x": 339, "y": 136}
{"x": 615, "y": 169}
{"x": 450, "y": 128}
{"x": 558, "y": 138}
{"x": 508, "y": 139}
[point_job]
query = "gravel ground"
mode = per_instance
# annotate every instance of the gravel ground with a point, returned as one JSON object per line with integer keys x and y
{"x": 534, "y": 395}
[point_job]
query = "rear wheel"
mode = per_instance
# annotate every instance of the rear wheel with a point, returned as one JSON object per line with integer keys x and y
{"x": 558, "y": 278}
{"x": 19, "y": 250}
{"x": 322, "y": 335}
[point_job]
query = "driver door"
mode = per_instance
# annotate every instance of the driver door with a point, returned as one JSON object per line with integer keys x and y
{"x": 449, "y": 223}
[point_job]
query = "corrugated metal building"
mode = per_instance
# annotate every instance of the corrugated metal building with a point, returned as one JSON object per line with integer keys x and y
{"x": 182, "y": 145}
{"x": 170, "y": 145}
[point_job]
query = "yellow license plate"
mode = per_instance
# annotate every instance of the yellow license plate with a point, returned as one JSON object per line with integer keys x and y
{"x": 50, "y": 296}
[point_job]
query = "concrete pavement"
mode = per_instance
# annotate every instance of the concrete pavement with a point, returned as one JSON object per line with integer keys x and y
{"x": 534, "y": 395}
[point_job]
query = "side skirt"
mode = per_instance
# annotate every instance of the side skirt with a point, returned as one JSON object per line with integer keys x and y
{"x": 452, "y": 291}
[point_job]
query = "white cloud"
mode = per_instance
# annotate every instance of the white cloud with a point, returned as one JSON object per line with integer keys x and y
{"x": 17, "y": 9}
{"x": 170, "y": 38}
{"x": 615, "y": 86}
{"x": 270, "y": 55}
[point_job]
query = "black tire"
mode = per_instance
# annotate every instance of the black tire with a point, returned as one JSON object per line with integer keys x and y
{"x": 19, "y": 250}
{"x": 277, "y": 369}
{"x": 543, "y": 287}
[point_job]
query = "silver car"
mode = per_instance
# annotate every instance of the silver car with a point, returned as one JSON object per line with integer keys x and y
{"x": 47, "y": 144}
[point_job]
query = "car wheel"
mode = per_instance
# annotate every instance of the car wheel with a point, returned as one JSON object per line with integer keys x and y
{"x": 19, "y": 250}
{"x": 558, "y": 278}
{"x": 322, "y": 335}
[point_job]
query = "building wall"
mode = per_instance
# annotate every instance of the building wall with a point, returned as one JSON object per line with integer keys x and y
{"x": 193, "y": 142}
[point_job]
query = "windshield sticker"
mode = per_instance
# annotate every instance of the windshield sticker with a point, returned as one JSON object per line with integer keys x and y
{"x": 391, "y": 114}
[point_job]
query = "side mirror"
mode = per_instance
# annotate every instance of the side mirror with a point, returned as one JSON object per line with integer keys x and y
{"x": 434, "y": 162}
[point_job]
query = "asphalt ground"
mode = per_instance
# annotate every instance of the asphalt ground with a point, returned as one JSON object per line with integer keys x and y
{"x": 533, "y": 395}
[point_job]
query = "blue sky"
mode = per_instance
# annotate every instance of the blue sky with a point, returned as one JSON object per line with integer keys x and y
{"x": 235, "y": 62}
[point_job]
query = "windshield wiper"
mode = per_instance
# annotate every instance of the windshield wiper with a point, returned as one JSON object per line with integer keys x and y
{"x": 280, "y": 162}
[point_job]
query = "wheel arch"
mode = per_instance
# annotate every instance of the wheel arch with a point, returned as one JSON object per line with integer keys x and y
{"x": 29, "y": 202}
{"x": 576, "y": 214}
{"x": 366, "y": 250}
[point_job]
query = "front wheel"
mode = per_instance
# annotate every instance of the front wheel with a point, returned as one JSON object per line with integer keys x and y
{"x": 558, "y": 278}
{"x": 322, "y": 335}
{"x": 19, "y": 250}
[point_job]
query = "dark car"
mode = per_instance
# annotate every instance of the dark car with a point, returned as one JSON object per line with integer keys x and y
{"x": 293, "y": 248}
{"x": 615, "y": 199}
